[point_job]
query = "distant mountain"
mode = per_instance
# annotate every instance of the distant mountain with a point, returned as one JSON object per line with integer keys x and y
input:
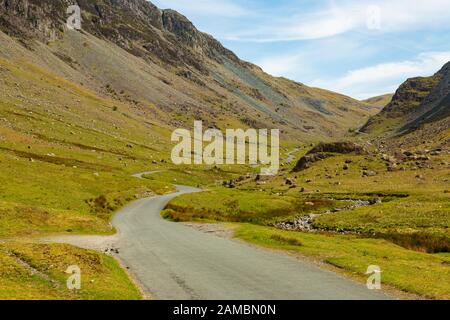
{"x": 417, "y": 101}
{"x": 379, "y": 101}
{"x": 436, "y": 105}
{"x": 157, "y": 61}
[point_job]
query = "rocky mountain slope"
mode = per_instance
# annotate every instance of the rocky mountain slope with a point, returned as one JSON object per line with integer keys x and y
{"x": 158, "y": 62}
{"x": 418, "y": 113}
{"x": 379, "y": 101}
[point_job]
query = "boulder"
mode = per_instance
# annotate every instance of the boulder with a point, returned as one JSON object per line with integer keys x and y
{"x": 307, "y": 160}
{"x": 338, "y": 147}
{"x": 290, "y": 181}
{"x": 326, "y": 150}
{"x": 369, "y": 173}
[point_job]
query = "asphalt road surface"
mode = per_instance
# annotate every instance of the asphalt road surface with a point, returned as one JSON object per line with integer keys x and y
{"x": 175, "y": 261}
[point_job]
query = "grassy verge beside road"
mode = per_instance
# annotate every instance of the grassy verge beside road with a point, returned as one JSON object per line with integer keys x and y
{"x": 415, "y": 272}
{"x": 37, "y": 271}
{"x": 407, "y": 234}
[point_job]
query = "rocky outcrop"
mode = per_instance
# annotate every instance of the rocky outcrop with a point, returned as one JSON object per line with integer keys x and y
{"x": 417, "y": 101}
{"x": 305, "y": 223}
{"x": 436, "y": 105}
{"x": 326, "y": 150}
{"x": 186, "y": 32}
{"x": 43, "y": 20}
{"x": 338, "y": 147}
{"x": 306, "y": 161}
{"x": 196, "y": 70}
{"x": 138, "y": 26}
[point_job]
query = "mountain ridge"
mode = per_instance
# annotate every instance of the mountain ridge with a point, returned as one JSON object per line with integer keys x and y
{"x": 418, "y": 114}
{"x": 379, "y": 101}
{"x": 187, "y": 72}
{"x": 417, "y": 101}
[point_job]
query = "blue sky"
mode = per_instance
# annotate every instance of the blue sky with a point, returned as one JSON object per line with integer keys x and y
{"x": 359, "y": 48}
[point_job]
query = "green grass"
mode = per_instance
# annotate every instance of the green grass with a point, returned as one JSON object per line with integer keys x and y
{"x": 56, "y": 198}
{"x": 62, "y": 147}
{"x": 236, "y": 205}
{"x": 409, "y": 203}
{"x": 67, "y": 155}
{"x": 425, "y": 210}
{"x": 101, "y": 276}
{"x": 413, "y": 218}
{"x": 413, "y": 200}
{"x": 420, "y": 213}
{"x": 411, "y": 271}
{"x": 204, "y": 176}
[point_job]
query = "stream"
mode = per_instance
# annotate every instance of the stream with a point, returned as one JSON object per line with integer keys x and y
{"x": 304, "y": 223}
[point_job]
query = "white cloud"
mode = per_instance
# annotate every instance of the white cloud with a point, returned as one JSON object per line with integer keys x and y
{"x": 303, "y": 62}
{"x": 281, "y": 65}
{"x": 315, "y": 25}
{"x": 220, "y": 8}
{"x": 382, "y": 15}
{"x": 342, "y": 34}
{"x": 424, "y": 65}
{"x": 385, "y": 77}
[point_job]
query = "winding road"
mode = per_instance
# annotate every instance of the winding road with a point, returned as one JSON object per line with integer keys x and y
{"x": 175, "y": 261}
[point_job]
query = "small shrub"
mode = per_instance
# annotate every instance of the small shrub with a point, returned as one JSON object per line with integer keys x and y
{"x": 101, "y": 206}
{"x": 418, "y": 241}
{"x": 286, "y": 240}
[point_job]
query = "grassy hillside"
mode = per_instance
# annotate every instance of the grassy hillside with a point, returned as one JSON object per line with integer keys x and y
{"x": 406, "y": 230}
{"x": 37, "y": 271}
{"x": 164, "y": 67}
{"x": 418, "y": 102}
{"x": 62, "y": 147}
{"x": 380, "y": 101}
{"x": 81, "y": 112}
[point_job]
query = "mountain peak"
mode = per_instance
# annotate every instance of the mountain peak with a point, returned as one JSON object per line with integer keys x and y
{"x": 417, "y": 101}
{"x": 171, "y": 65}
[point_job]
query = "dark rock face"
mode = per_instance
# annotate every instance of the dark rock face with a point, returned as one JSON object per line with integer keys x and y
{"x": 306, "y": 161}
{"x": 436, "y": 105}
{"x": 338, "y": 147}
{"x": 327, "y": 150}
{"x": 135, "y": 25}
{"x": 200, "y": 42}
{"x": 33, "y": 18}
{"x": 197, "y": 69}
{"x": 417, "y": 101}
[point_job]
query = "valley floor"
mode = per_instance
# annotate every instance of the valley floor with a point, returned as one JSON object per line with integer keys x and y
{"x": 82, "y": 112}
{"x": 350, "y": 240}
{"x": 403, "y": 229}
{"x": 174, "y": 261}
